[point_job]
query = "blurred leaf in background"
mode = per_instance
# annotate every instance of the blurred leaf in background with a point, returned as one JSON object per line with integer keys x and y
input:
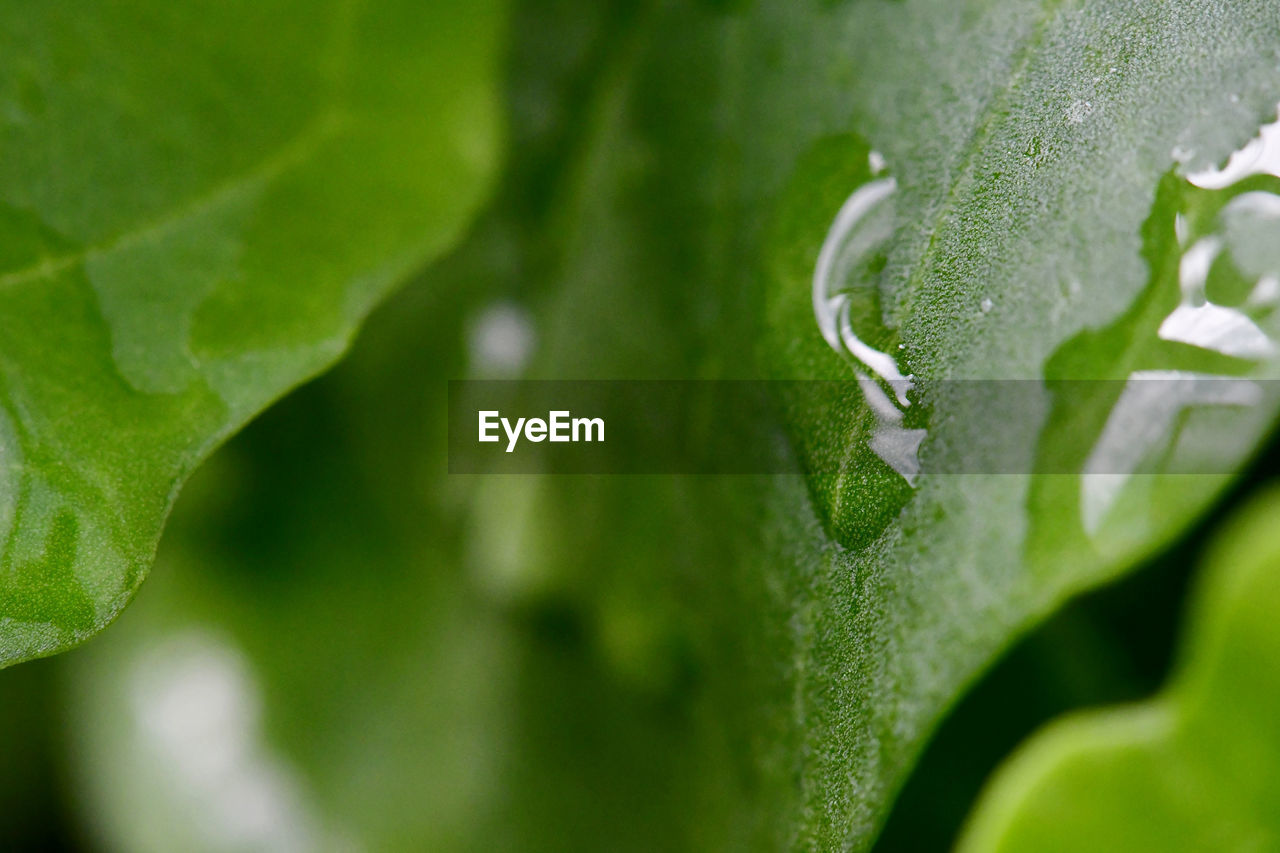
{"x": 1194, "y": 769}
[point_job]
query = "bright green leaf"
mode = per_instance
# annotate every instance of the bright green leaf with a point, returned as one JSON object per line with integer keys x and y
{"x": 1193, "y": 769}
{"x": 198, "y": 204}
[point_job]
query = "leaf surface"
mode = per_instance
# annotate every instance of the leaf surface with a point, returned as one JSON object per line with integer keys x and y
{"x": 761, "y": 659}
{"x": 1053, "y": 166}
{"x": 1042, "y": 208}
{"x": 198, "y": 204}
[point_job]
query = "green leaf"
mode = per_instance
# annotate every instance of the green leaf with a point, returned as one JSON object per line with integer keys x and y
{"x": 1192, "y": 769}
{"x": 198, "y": 204}
{"x": 1031, "y": 234}
{"x": 309, "y": 619}
{"x": 756, "y": 662}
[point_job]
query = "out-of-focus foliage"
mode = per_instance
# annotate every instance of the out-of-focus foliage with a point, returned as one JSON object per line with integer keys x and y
{"x": 198, "y": 204}
{"x": 34, "y": 801}
{"x": 1193, "y": 769}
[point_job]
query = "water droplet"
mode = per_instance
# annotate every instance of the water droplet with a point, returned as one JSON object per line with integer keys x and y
{"x": 986, "y": 305}
{"x": 1266, "y": 294}
{"x": 864, "y": 222}
{"x": 877, "y": 163}
{"x": 1210, "y": 294}
{"x": 1180, "y": 229}
{"x": 851, "y": 436}
{"x": 1144, "y": 415}
{"x": 1259, "y": 156}
{"x": 1200, "y": 323}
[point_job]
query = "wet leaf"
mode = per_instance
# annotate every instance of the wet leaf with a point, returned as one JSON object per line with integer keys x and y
{"x": 1029, "y": 181}
{"x": 756, "y": 662}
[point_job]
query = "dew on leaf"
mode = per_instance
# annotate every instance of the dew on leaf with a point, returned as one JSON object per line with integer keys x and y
{"x": 857, "y": 490}
{"x": 1258, "y": 156}
{"x": 1184, "y": 360}
{"x": 861, "y": 227}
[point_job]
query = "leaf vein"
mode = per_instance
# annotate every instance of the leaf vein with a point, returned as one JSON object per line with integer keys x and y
{"x": 294, "y": 152}
{"x": 982, "y": 135}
